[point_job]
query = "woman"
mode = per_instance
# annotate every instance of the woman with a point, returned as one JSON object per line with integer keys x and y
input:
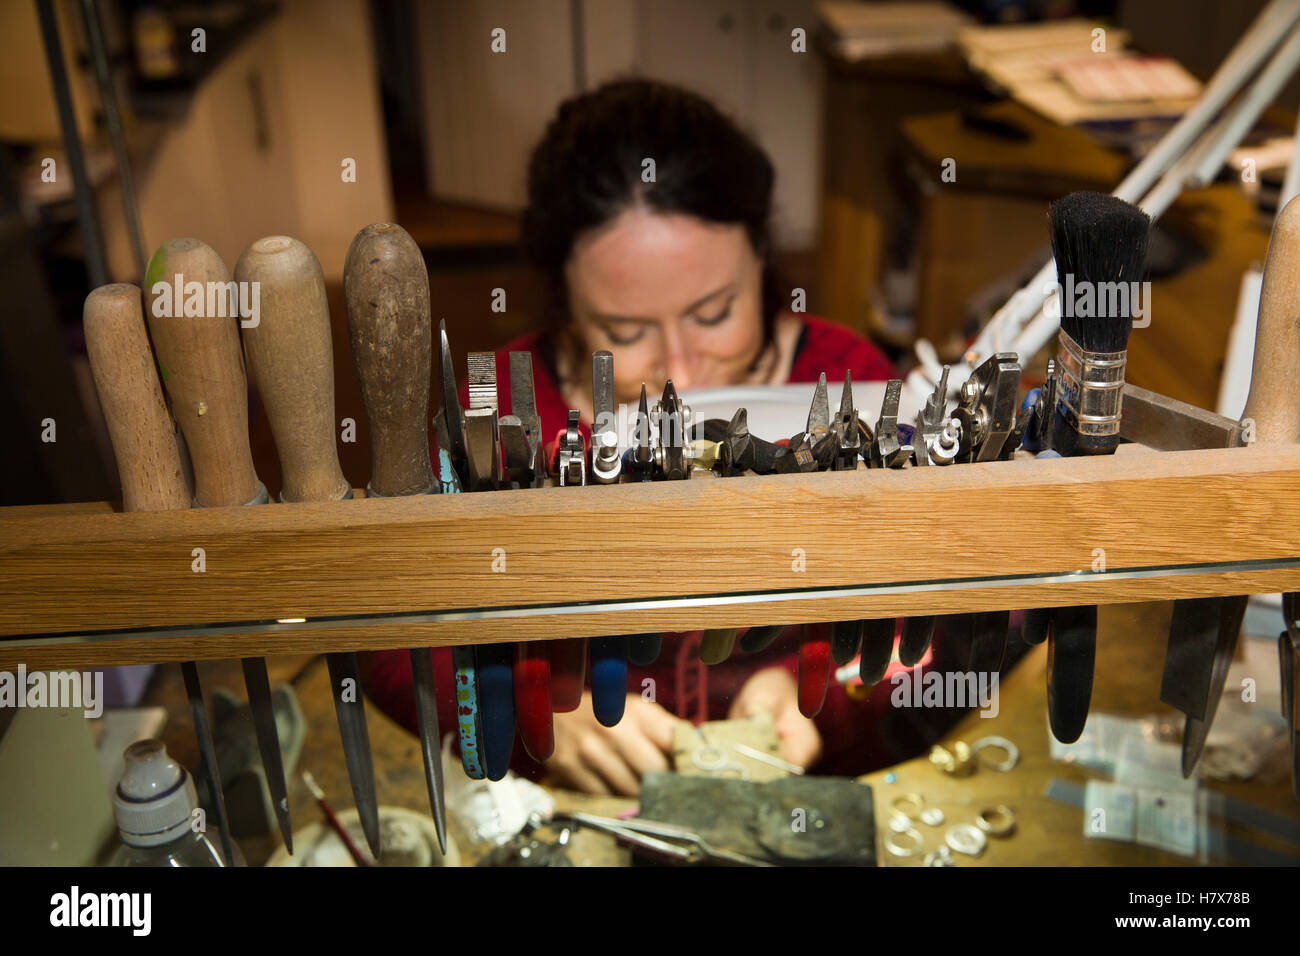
{"x": 648, "y": 211}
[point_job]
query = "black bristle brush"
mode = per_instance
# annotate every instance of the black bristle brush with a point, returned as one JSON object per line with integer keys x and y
{"x": 1100, "y": 246}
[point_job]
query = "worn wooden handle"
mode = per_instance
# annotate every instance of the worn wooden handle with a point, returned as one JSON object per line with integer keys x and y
{"x": 291, "y": 360}
{"x": 196, "y": 333}
{"x": 139, "y": 425}
{"x": 387, "y": 291}
{"x": 1274, "y": 402}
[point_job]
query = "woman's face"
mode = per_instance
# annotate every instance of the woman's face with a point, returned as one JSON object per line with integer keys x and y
{"x": 671, "y": 296}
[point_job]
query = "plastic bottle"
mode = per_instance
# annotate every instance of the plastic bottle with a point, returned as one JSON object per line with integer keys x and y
{"x": 154, "y": 804}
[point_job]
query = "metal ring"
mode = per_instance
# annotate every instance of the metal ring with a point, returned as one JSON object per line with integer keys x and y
{"x": 893, "y": 846}
{"x": 932, "y": 816}
{"x": 710, "y": 765}
{"x": 909, "y": 805}
{"x": 964, "y": 838}
{"x": 1013, "y": 752}
{"x": 996, "y": 821}
{"x": 899, "y": 822}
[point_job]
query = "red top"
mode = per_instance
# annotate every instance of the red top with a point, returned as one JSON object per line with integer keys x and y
{"x": 855, "y": 738}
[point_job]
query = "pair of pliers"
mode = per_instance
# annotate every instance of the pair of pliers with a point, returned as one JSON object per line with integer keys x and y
{"x": 484, "y": 674}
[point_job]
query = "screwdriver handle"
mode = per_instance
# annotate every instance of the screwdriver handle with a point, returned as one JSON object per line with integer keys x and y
{"x": 608, "y": 678}
{"x": 139, "y": 425}
{"x": 814, "y": 669}
{"x": 532, "y": 689}
{"x": 568, "y": 672}
{"x": 1274, "y": 402}
{"x": 194, "y": 321}
{"x": 386, "y": 287}
{"x": 291, "y": 360}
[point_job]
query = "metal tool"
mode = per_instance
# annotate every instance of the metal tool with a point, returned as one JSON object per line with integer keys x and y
{"x": 847, "y": 434}
{"x": 671, "y": 452}
{"x": 666, "y": 842}
{"x": 521, "y": 431}
{"x": 469, "y": 732}
{"x": 928, "y": 449}
{"x": 571, "y": 454}
{"x": 887, "y": 450}
{"x": 609, "y": 655}
{"x": 1232, "y": 611}
{"x": 521, "y": 438}
{"x": 987, "y": 411}
{"x": 1166, "y": 424}
{"x": 208, "y": 755}
{"x": 641, "y": 460}
{"x": 386, "y": 289}
{"x": 930, "y": 422}
{"x": 148, "y": 463}
{"x": 989, "y": 429}
{"x": 606, "y": 464}
{"x": 290, "y": 358}
{"x": 1273, "y": 414}
{"x": 1288, "y": 648}
{"x": 494, "y": 664}
{"x": 457, "y": 448}
{"x": 207, "y": 383}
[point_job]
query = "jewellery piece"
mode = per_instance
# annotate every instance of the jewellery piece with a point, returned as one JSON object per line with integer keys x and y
{"x": 996, "y": 743}
{"x": 997, "y": 821}
{"x": 964, "y": 838}
{"x": 940, "y": 857}
{"x": 932, "y": 816}
{"x": 905, "y": 844}
{"x": 958, "y": 762}
{"x": 899, "y": 823}
{"x": 909, "y": 805}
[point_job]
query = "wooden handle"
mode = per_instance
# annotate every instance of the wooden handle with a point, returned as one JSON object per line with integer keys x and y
{"x": 291, "y": 360}
{"x": 1274, "y": 402}
{"x": 144, "y": 439}
{"x": 196, "y": 332}
{"x": 387, "y": 291}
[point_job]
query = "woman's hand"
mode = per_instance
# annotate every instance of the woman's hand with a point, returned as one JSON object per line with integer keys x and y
{"x": 773, "y": 689}
{"x": 611, "y": 760}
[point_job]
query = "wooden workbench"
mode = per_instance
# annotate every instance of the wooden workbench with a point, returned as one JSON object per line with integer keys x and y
{"x": 1048, "y": 832}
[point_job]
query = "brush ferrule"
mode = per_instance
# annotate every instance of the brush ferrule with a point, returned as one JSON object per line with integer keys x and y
{"x": 1090, "y": 387}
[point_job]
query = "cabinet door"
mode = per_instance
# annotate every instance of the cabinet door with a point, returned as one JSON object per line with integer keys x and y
{"x": 785, "y": 112}
{"x": 485, "y": 110}
{"x": 699, "y": 44}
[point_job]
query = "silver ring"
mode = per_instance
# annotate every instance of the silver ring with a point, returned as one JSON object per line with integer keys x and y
{"x": 1013, "y": 752}
{"x": 996, "y": 821}
{"x": 964, "y": 838}
{"x": 908, "y": 804}
{"x": 893, "y": 846}
{"x": 932, "y": 816}
{"x": 710, "y": 765}
{"x": 899, "y": 823}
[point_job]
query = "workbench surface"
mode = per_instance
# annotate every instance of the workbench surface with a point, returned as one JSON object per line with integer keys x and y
{"x": 1048, "y": 832}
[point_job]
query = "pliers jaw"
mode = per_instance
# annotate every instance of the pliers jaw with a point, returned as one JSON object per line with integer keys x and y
{"x": 671, "y": 452}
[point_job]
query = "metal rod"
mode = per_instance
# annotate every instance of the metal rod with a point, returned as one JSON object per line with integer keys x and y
{"x": 72, "y": 144}
{"x": 113, "y": 120}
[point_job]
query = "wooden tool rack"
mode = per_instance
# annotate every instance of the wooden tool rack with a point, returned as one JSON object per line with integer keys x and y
{"x": 85, "y": 585}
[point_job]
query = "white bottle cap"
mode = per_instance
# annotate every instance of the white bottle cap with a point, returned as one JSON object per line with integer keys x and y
{"x": 155, "y": 800}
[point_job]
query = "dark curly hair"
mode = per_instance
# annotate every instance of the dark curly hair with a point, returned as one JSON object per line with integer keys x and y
{"x": 587, "y": 170}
